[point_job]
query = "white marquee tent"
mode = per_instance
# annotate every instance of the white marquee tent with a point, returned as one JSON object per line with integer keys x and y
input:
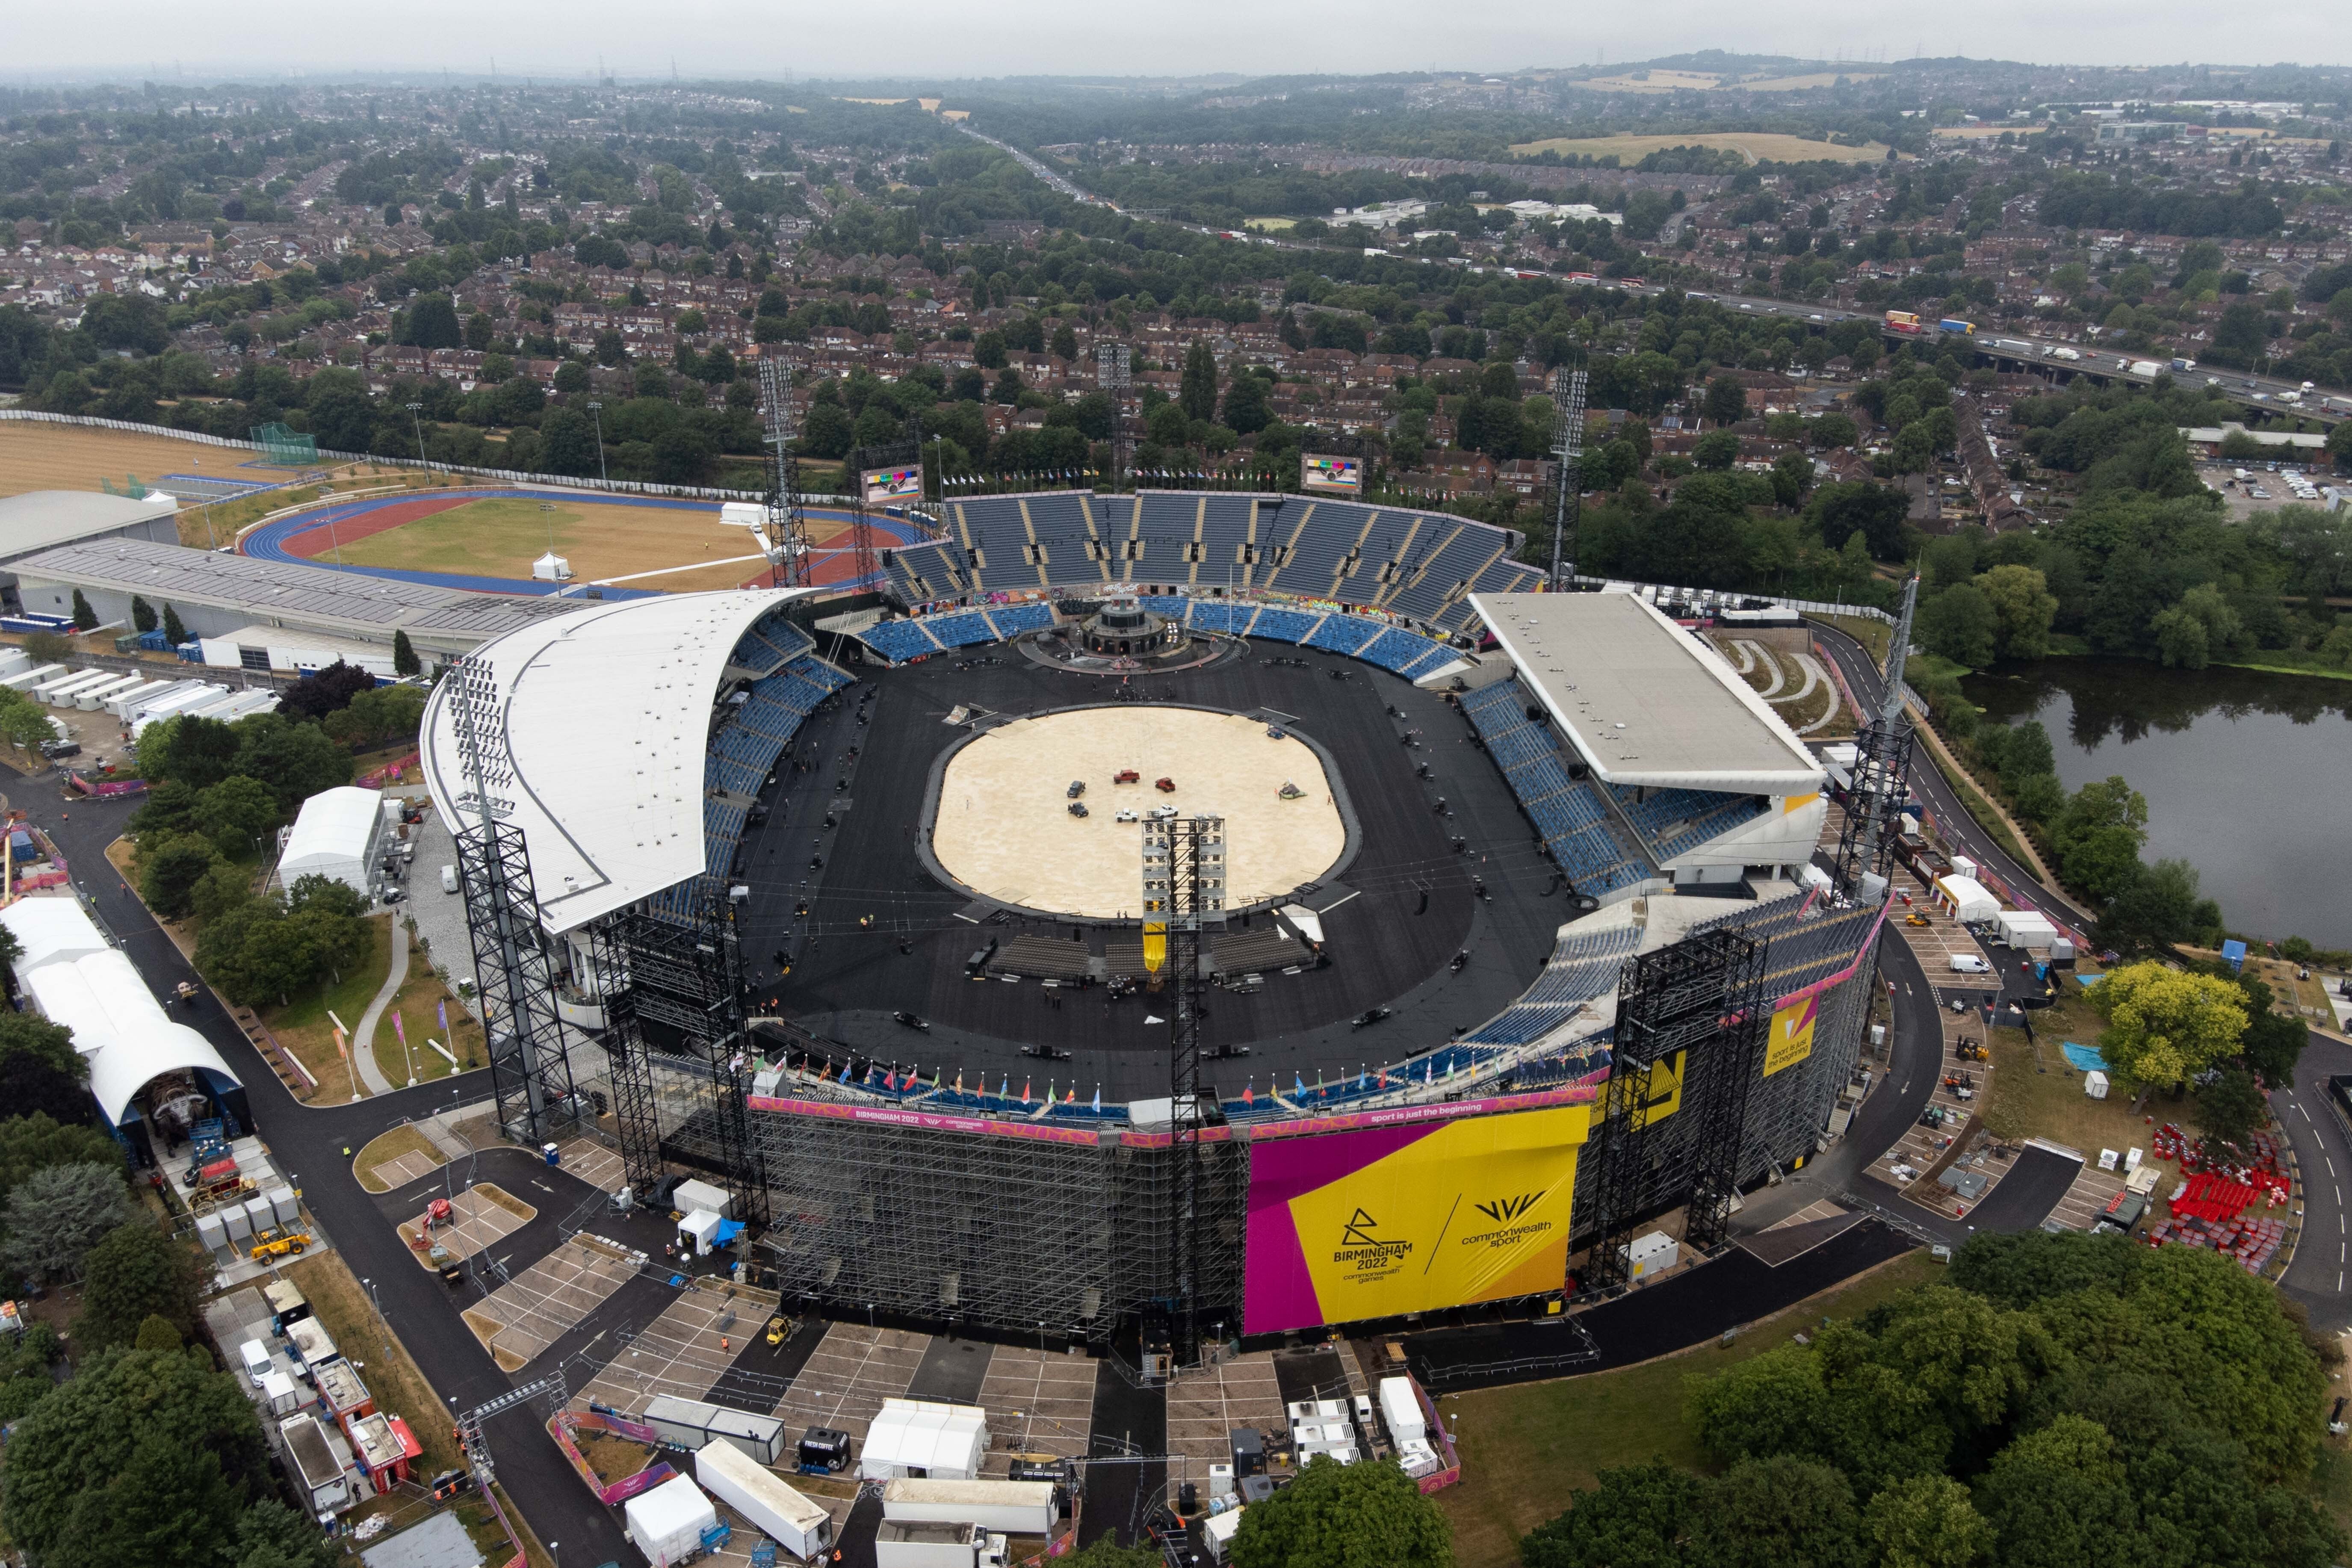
{"x": 918, "y": 1437}
{"x": 335, "y": 835}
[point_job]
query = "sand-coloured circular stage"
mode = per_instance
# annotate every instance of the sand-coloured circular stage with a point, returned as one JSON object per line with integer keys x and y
{"x": 1004, "y": 828}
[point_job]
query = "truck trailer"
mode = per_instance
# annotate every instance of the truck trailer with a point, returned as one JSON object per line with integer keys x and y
{"x": 1010, "y": 1508}
{"x": 761, "y": 1496}
{"x": 898, "y": 1545}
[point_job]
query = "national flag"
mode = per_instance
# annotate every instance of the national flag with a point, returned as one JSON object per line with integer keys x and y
{"x": 400, "y": 1031}
{"x": 1025, "y": 1090}
{"x": 441, "y": 1013}
{"x": 1249, "y": 1093}
{"x": 1298, "y": 1087}
{"x": 1098, "y": 1097}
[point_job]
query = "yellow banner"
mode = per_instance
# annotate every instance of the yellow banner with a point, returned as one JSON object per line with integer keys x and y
{"x": 1155, "y": 945}
{"x": 1792, "y": 1034}
{"x": 1472, "y": 1211}
{"x": 1662, "y": 1093}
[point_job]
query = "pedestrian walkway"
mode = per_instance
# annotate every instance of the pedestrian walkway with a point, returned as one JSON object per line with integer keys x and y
{"x": 364, "y": 1038}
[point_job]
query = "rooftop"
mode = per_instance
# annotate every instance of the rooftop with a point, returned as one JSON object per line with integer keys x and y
{"x": 606, "y": 713}
{"x": 39, "y": 519}
{"x": 1643, "y": 700}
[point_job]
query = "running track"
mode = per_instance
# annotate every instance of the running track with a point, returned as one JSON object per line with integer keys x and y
{"x": 291, "y": 538}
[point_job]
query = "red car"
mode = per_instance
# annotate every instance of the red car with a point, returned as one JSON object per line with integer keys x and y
{"x": 1128, "y": 776}
{"x": 1165, "y": 786}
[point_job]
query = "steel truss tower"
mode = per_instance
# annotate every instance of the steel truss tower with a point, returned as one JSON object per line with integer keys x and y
{"x": 674, "y": 1004}
{"x": 1568, "y": 447}
{"x": 787, "y": 542}
{"x": 1114, "y": 376}
{"x": 1184, "y": 887}
{"x": 1690, "y": 1037}
{"x": 530, "y": 1069}
{"x": 1882, "y": 771}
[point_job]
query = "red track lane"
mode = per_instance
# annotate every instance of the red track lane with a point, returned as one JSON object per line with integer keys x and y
{"x": 316, "y": 542}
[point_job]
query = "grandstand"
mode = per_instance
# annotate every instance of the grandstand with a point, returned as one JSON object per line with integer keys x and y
{"x": 1407, "y": 564}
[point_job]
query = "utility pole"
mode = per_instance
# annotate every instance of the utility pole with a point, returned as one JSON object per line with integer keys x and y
{"x": 596, "y": 411}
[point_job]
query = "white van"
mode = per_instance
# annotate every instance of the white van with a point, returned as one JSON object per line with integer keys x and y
{"x": 257, "y": 1361}
{"x": 448, "y": 879}
{"x": 1969, "y": 963}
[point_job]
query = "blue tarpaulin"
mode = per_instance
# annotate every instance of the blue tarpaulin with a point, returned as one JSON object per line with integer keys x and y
{"x": 2084, "y": 1059}
{"x": 2234, "y": 953}
{"x": 729, "y": 1229}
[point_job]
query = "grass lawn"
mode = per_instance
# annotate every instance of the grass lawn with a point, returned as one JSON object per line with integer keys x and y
{"x": 501, "y": 537}
{"x": 491, "y": 1192}
{"x": 414, "y": 1002}
{"x": 2039, "y": 1095}
{"x": 1873, "y": 635}
{"x": 303, "y": 1026}
{"x": 1524, "y": 1448}
{"x": 338, "y": 1300}
{"x": 403, "y": 1140}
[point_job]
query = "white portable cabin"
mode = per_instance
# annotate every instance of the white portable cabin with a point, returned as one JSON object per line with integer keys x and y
{"x": 48, "y": 689}
{"x": 310, "y": 1340}
{"x": 1402, "y": 1410}
{"x": 2026, "y": 929}
{"x": 1217, "y": 1532}
{"x": 667, "y": 1521}
{"x": 693, "y": 1426}
{"x": 690, "y": 1195}
{"x": 26, "y": 679}
{"x": 97, "y": 696}
{"x": 278, "y": 1393}
{"x": 70, "y": 695}
{"x": 238, "y": 705}
{"x": 1011, "y": 1508}
{"x": 124, "y": 703}
{"x": 172, "y": 704}
{"x": 13, "y": 659}
{"x": 789, "y": 1520}
{"x": 919, "y": 1437}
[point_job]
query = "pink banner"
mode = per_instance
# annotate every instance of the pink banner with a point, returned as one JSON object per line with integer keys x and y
{"x": 929, "y": 1121}
{"x": 1827, "y": 981}
{"x": 1401, "y": 1115}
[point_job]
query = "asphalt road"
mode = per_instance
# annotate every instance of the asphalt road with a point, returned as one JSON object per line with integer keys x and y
{"x": 2322, "y": 1259}
{"x": 313, "y": 1144}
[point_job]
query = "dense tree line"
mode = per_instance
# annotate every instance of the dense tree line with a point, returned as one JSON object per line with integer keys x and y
{"x": 2063, "y": 1400}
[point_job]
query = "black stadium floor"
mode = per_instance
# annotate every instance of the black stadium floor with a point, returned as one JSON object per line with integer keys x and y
{"x": 849, "y": 976}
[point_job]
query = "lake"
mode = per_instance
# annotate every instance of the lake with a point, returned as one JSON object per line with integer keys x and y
{"x": 2239, "y": 770}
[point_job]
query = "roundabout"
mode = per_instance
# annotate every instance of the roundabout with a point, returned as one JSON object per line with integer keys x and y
{"x": 1000, "y": 823}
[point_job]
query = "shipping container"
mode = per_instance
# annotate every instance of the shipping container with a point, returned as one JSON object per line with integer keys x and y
{"x": 123, "y": 704}
{"x": 907, "y": 1545}
{"x": 689, "y": 1424}
{"x": 1015, "y": 1508}
{"x": 761, "y": 1496}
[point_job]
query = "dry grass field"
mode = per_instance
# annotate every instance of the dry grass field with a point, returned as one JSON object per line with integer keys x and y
{"x": 35, "y": 456}
{"x": 501, "y": 538}
{"x": 1803, "y": 83}
{"x": 1757, "y": 146}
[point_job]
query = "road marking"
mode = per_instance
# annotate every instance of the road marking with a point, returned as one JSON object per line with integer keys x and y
{"x": 2331, "y": 1165}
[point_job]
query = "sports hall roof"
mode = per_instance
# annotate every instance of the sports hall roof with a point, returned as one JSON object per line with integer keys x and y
{"x": 606, "y": 718}
{"x": 1645, "y": 702}
{"x": 40, "y": 519}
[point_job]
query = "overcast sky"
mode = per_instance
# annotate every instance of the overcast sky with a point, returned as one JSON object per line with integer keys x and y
{"x": 950, "y": 39}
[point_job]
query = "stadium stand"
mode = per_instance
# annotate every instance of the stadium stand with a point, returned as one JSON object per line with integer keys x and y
{"x": 1673, "y": 822}
{"x": 1570, "y": 813}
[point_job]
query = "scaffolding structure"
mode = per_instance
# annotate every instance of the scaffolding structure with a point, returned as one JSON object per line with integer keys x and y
{"x": 530, "y": 1065}
{"x": 1185, "y": 885}
{"x": 1689, "y": 1037}
{"x": 787, "y": 532}
{"x": 1114, "y": 375}
{"x": 1882, "y": 773}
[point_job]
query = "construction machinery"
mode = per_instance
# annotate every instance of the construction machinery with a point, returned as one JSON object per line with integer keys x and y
{"x": 280, "y": 1244}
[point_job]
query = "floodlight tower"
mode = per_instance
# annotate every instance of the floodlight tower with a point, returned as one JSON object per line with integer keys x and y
{"x": 785, "y": 540}
{"x": 1114, "y": 374}
{"x": 1882, "y": 769}
{"x": 1567, "y": 445}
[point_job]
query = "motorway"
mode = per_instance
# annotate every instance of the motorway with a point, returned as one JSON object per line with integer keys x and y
{"x": 2262, "y": 393}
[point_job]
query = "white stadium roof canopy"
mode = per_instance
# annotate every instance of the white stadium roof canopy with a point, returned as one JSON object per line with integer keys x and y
{"x": 1645, "y": 702}
{"x": 606, "y": 717}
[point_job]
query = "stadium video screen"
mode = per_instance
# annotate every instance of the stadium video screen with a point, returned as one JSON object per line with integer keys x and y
{"x": 883, "y": 485}
{"x": 1344, "y": 475}
{"x": 1382, "y": 1221}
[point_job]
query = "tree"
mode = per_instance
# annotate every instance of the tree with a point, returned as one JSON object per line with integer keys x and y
{"x": 133, "y": 1271}
{"x": 1636, "y": 1518}
{"x": 197, "y": 752}
{"x": 2059, "y": 1496}
{"x": 156, "y": 1334}
{"x": 322, "y": 691}
{"x": 2165, "y": 1027}
{"x": 2156, "y": 908}
{"x": 234, "y": 814}
{"x": 169, "y": 873}
{"x": 2024, "y": 608}
{"x": 567, "y": 443}
{"x": 1717, "y": 450}
{"x": 142, "y": 614}
{"x": 25, "y": 1035}
{"x": 29, "y": 1086}
{"x": 1246, "y": 409}
{"x": 32, "y": 1141}
{"x": 1775, "y": 1403}
{"x": 387, "y": 713}
{"x": 1925, "y": 1522}
{"x": 1778, "y": 1513}
{"x": 432, "y": 323}
{"x": 173, "y": 632}
{"x": 2232, "y": 1106}
{"x": 1961, "y": 625}
{"x": 1196, "y": 391}
{"x": 1105, "y": 1553}
{"x": 1339, "y": 1516}
{"x": 1726, "y": 402}
{"x": 143, "y": 1456}
{"x": 84, "y": 617}
{"x": 404, "y": 655}
{"x": 1874, "y": 511}
{"x": 295, "y": 760}
{"x": 57, "y": 1214}
{"x": 271, "y": 1535}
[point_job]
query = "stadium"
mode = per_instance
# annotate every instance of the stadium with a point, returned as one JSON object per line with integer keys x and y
{"x": 1503, "y": 907}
